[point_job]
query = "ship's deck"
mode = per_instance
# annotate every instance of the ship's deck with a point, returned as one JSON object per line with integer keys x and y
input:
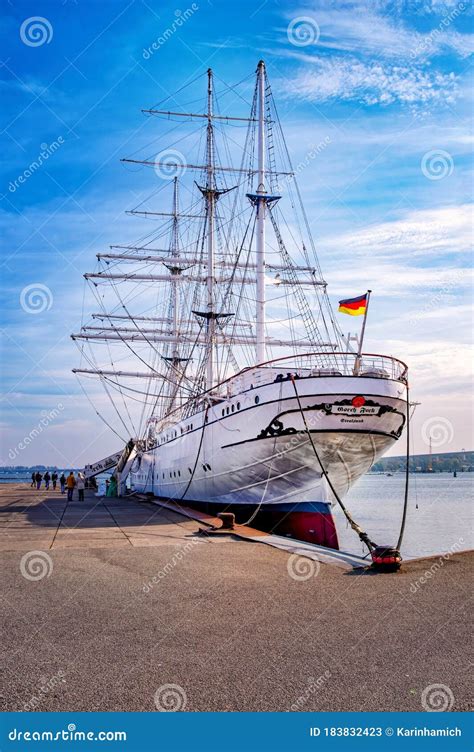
{"x": 131, "y": 603}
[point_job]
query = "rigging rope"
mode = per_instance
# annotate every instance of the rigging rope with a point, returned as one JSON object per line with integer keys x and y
{"x": 362, "y": 535}
{"x": 407, "y": 476}
{"x": 357, "y": 529}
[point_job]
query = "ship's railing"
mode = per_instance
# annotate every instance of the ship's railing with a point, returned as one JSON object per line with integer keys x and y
{"x": 367, "y": 365}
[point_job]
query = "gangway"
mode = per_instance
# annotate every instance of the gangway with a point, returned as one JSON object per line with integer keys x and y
{"x": 119, "y": 462}
{"x": 108, "y": 463}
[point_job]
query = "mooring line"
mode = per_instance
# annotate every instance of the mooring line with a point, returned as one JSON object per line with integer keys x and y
{"x": 357, "y": 529}
{"x": 382, "y": 556}
{"x": 59, "y": 523}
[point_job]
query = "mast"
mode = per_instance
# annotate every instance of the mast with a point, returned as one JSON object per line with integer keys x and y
{"x": 210, "y": 201}
{"x": 173, "y": 266}
{"x": 261, "y": 211}
{"x": 175, "y": 271}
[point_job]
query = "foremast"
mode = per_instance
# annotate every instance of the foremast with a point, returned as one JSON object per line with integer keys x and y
{"x": 211, "y": 195}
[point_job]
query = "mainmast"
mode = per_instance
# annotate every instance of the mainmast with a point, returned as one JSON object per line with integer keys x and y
{"x": 211, "y": 204}
{"x": 261, "y": 212}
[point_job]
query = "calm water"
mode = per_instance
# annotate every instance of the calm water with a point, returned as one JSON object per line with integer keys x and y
{"x": 444, "y": 517}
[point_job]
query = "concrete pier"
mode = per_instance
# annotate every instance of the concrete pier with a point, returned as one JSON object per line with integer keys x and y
{"x": 106, "y": 602}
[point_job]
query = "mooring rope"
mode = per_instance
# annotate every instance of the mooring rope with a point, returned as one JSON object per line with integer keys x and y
{"x": 357, "y": 529}
{"x": 407, "y": 476}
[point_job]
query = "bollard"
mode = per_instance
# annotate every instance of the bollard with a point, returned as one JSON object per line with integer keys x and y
{"x": 228, "y": 520}
{"x": 386, "y": 559}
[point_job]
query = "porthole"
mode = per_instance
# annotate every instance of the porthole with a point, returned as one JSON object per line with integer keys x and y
{"x": 190, "y": 471}
{"x": 238, "y": 405}
{"x": 223, "y": 412}
{"x": 232, "y": 408}
{"x": 257, "y": 399}
{"x": 179, "y": 473}
{"x": 227, "y": 410}
{"x": 208, "y": 466}
{"x": 174, "y": 473}
{"x": 204, "y": 467}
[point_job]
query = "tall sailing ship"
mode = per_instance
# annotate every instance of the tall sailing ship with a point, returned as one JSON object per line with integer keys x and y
{"x": 216, "y": 325}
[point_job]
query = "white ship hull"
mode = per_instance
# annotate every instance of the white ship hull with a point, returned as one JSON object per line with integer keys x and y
{"x": 255, "y": 448}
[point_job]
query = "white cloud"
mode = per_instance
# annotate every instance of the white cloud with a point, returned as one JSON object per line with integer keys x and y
{"x": 371, "y": 29}
{"x": 423, "y": 233}
{"x": 372, "y": 83}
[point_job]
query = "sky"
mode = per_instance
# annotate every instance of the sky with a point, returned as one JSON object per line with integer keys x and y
{"x": 382, "y": 87}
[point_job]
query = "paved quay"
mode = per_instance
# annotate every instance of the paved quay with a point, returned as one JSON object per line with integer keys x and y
{"x": 108, "y": 602}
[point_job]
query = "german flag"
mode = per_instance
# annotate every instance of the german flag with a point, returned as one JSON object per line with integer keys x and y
{"x": 354, "y": 306}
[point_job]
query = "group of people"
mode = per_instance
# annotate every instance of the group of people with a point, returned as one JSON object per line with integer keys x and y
{"x": 68, "y": 483}
{"x": 36, "y": 479}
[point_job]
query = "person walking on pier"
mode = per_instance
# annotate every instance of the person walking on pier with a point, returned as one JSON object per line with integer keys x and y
{"x": 70, "y": 483}
{"x": 62, "y": 482}
{"x": 33, "y": 480}
{"x": 80, "y": 486}
{"x": 47, "y": 478}
{"x": 54, "y": 478}
{"x": 38, "y": 479}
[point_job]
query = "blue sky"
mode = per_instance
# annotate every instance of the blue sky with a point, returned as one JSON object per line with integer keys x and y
{"x": 385, "y": 86}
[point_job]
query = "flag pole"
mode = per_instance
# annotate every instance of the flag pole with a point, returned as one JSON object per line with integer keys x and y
{"x": 361, "y": 341}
